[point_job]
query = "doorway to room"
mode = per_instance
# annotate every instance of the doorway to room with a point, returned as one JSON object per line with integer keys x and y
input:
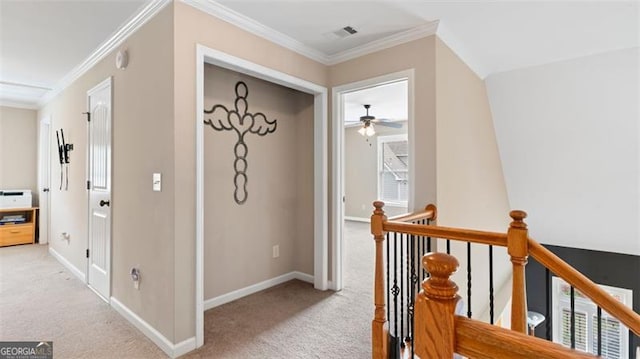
{"x": 373, "y": 161}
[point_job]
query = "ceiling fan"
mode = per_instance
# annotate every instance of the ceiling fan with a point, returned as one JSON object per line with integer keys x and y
{"x": 368, "y": 121}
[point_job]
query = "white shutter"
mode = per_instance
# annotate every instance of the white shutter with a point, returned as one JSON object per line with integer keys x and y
{"x": 581, "y": 329}
{"x": 615, "y": 336}
{"x": 611, "y": 343}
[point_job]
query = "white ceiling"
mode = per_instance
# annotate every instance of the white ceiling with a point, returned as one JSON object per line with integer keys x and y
{"x": 387, "y": 101}
{"x": 42, "y": 41}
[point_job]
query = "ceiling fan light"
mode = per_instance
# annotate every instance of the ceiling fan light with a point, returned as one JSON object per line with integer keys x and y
{"x": 369, "y": 131}
{"x": 362, "y": 130}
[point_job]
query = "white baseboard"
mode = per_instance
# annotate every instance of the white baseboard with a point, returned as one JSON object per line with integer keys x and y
{"x": 303, "y": 277}
{"x": 357, "y": 219}
{"x": 73, "y": 269}
{"x": 172, "y": 350}
{"x": 184, "y": 347}
{"x": 331, "y": 286}
{"x": 243, "y": 292}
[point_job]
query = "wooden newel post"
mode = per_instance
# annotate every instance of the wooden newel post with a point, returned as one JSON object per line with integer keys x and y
{"x": 435, "y": 308}
{"x": 379, "y": 326}
{"x": 517, "y": 243}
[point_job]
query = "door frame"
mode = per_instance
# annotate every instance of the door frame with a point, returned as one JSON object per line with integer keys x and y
{"x": 44, "y": 154}
{"x": 337, "y": 180}
{"x": 106, "y": 82}
{"x": 321, "y": 258}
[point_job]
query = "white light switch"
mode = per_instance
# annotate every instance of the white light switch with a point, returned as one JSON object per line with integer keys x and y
{"x": 157, "y": 182}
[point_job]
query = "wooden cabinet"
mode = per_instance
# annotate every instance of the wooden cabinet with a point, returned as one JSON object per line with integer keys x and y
{"x": 17, "y": 232}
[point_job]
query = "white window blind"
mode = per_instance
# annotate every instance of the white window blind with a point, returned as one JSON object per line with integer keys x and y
{"x": 611, "y": 338}
{"x": 615, "y": 336}
{"x": 581, "y": 329}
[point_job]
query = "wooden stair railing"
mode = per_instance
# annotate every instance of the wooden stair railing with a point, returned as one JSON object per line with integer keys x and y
{"x": 519, "y": 247}
{"x": 436, "y": 303}
{"x": 380, "y": 324}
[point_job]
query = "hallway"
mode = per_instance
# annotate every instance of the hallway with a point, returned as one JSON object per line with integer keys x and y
{"x": 41, "y": 300}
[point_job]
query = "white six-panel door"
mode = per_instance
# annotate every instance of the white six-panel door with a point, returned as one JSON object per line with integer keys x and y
{"x": 99, "y": 185}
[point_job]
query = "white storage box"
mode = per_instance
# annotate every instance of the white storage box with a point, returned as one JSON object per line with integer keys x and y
{"x": 17, "y": 198}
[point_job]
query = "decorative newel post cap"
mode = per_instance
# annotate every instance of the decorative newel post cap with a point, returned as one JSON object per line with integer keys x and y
{"x": 378, "y": 208}
{"x": 440, "y": 265}
{"x": 518, "y": 217}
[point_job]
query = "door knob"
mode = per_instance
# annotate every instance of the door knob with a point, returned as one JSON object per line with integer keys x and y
{"x": 45, "y": 190}
{"x": 104, "y": 203}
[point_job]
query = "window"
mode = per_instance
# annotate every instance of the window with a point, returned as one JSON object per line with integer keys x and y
{"x": 615, "y": 336}
{"x": 393, "y": 169}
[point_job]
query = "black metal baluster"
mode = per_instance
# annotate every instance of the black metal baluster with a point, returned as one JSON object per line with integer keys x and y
{"x": 448, "y": 246}
{"x": 408, "y": 288}
{"x": 469, "y": 279}
{"x": 395, "y": 289}
{"x": 401, "y": 291}
{"x": 548, "y": 304}
{"x": 491, "y": 284}
{"x": 573, "y": 318}
{"x": 428, "y": 238}
{"x": 599, "y": 331}
{"x": 418, "y": 253}
{"x": 388, "y": 277}
{"x": 414, "y": 280}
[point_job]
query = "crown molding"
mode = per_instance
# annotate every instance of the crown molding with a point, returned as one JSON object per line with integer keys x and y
{"x": 412, "y": 34}
{"x": 224, "y": 13}
{"x": 27, "y": 105}
{"x": 116, "y": 39}
{"x": 245, "y": 23}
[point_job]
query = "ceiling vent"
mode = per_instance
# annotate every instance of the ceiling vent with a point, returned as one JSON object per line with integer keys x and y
{"x": 342, "y": 33}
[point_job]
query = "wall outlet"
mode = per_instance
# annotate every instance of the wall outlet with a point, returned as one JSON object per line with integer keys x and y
{"x": 135, "y": 277}
{"x": 276, "y": 251}
{"x": 364, "y": 207}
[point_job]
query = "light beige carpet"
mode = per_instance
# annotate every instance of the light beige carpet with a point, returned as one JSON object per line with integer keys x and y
{"x": 294, "y": 320}
{"x": 41, "y": 300}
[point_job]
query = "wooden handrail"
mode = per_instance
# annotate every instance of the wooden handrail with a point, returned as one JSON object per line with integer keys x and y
{"x": 429, "y": 212}
{"x": 480, "y": 340}
{"x": 473, "y": 236}
{"x": 608, "y": 304}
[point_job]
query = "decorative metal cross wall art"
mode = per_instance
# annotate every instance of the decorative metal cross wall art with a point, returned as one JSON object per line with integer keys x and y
{"x": 242, "y": 122}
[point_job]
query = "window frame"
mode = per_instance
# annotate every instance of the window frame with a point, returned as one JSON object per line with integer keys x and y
{"x": 585, "y": 305}
{"x": 380, "y": 141}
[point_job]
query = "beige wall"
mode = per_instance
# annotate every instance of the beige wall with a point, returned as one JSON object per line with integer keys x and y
{"x": 361, "y": 171}
{"x": 155, "y": 131}
{"x": 239, "y": 238}
{"x": 142, "y": 220}
{"x": 195, "y": 27}
{"x": 19, "y": 149}
{"x": 420, "y": 56}
{"x": 471, "y": 188}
